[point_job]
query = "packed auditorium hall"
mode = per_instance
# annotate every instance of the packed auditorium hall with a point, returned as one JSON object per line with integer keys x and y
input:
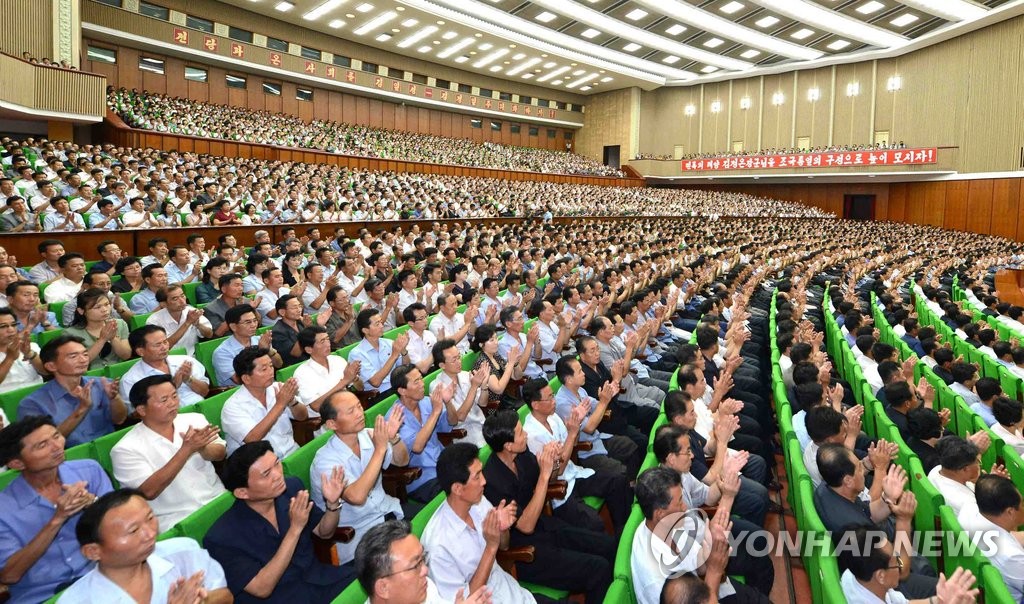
{"x": 511, "y": 302}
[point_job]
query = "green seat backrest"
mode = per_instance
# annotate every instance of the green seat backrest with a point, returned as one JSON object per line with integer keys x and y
{"x": 46, "y": 336}
{"x": 196, "y": 524}
{"x": 673, "y": 382}
{"x": 102, "y": 447}
{"x": 190, "y": 292}
{"x": 343, "y": 352}
{"x": 622, "y": 569}
{"x": 57, "y": 308}
{"x": 958, "y": 549}
{"x": 204, "y": 354}
{"x": 9, "y": 401}
{"x": 127, "y": 296}
{"x": 140, "y": 320}
{"x": 1010, "y": 383}
{"x": 468, "y": 360}
{"x": 832, "y": 589}
{"x": 286, "y": 372}
{"x": 353, "y": 594}
{"x": 649, "y": 462}
{"x": 661, "y": 421}
{"x": 620, "y": 592}
{"x": 929, "y": 499}
{"x": 394, "y": 333}
{"x": 989, "y": 456}
{"x": 379, "y": 409}
{"x": 419, "y": 522}
{"x": 964, "y": 416}
{"x": 298, "y": 463}
{"x": 1014, "y": 465}
{"x": 213, "y": 406}
{"x": 117, "y": 370}
{"x": 996, "y": 591}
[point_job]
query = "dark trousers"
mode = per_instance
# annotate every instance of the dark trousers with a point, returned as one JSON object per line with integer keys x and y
{"x": 612, "y": 487}
{"x": 758, "y": 571}
{"x": 569, "y": 558}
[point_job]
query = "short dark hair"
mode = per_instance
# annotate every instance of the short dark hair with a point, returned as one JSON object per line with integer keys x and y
{"x": 225, "y": 280}
{"x": 373, "y": 554}
{"x": 532, "y": 389}
{"x": 823, "y": 422}
{"x": 834, "y": 464}
{"x": 48, "y": 354}
{"x": 563, "y": 368}
{"x": 13, "y": 435}
{"x": 364, "y": 317}
{"x": 994, "y": 494}
{"x": 956, "y": 453}
{"x": 500, "y": 428}
{"x": 63, "y": 260}
{"x": 307, "y": 336}
{"x": 235, "y": 313}
{"x": 149, "y": 269}
{"x": 139, "y": 394}
{"x": 962, "y": 372}
{"x": 88, "y": 529}
{"x": 987, "y": 388}
{"x": 861, "y": 539}
{"x": 676, "y": 404}
{"x": 897, "y": 394}
{"x": 1007, "y": 411}
{"x": 483, "y": 333}
{"x": 409, "y": 313}
{"x": 400, "y": 376}
{"x": 235, "y": 474}
{"x": 46, "y": 243}
{"x": 244, "y": 362}
{"x": 924, "y": 423}
{"x": 666, "y": 441}
{"x": 437, "y": 352}
{"x": 453, "y": 465}
{"x": 137, "y": 338}
{"x": 652, "y": 489}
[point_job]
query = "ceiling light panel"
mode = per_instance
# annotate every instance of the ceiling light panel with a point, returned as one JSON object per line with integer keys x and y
{"x": 284, "y": 6}
{"x": 714, "y": 43}
{"x": 455, "y": 48}
{"x": 335, "y": 24}
{"x": 546, "y": 17}
{"x": 675, "y": 30}
{"x": 583, "y": 80}
{"x": 766, "y": 22}
{"x": 365, "y": 7}
{"x": 802, "y": 34}
{"x": 378, "y": 21}
{"x": 490, "y": 58}
{"x": 731, "y": 8}
{"x": 838, "y": 45}
{"x": 590, "y": 33}
{"x": 870, "y": 8}
{"x": 523, "y": 66}
{"x": 631, "y": 47}
{"x": 322, "y": 10}
{"x": 904, "y": 20}
{"x": 950, "y": 10}
{"x": 636, "y": 14}
{"x": 750, "y": 54}
{"x": 728, "y": 29}
{"x": 418, "y": 35}
{"x": 551, "y": 74}
{"x": 817, "y": 17}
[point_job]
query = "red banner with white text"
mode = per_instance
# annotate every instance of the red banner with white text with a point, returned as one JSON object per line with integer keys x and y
{"x": 829, "y": 159}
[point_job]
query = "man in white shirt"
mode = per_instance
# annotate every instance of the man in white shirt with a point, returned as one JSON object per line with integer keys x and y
{"x": 72, "y": 268}
{"x": 392, "y": 567}
{"x": 377, "y": 355}
{"x": 364, "y": 453}
{"x": 449, "y": 324}
{"x": 993, "y": 524}
{"x": 151, "y": 344}
{"x": 118, "y": 532}
{"x": 965, "y": 376}
{"x": 19, "y": 367}
{"x": 183, "y": 324}
{"x": 421, "y": 339}
{"x": 314, "y": 296}
{"x": 465, "y": 407}
{"x": 1009, "y": 414}
{"x": 168, "y": 456}
{"x": 464, "y": 534}
{"x": 180, "y": 269}
{"x": 408, "y": 294}
{"x": 349, "y": 280}
{"x": 61, "y": 218}
{"x": 555, "y": 331}
{"x": 323, "y": 374}
{"x": 958, "y": 469}
{"x": 261, "y": 409}
{"x": 529, "y": 363}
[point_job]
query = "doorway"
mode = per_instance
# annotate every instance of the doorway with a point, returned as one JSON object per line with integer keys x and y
{"x": 859, "y": 207}
{"x": 611, "y": 156}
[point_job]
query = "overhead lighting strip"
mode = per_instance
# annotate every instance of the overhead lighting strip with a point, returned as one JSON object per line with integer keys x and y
{"x": 950, "y": 10}
{"x": 813, "y": 15}
{"x": 701, "y": 19}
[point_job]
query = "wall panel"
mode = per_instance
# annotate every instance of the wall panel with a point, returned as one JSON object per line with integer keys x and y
{"x": 955, "y": 213}
{"x": 980, "y": 206}
{"x": 1005, "y": 204}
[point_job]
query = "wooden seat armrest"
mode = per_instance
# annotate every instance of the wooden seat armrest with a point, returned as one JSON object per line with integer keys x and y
{"x": 366, "y": 397}
{"x": 324, "y": 550}
{"x": 395, "y": 479}
{"x": 303, "y": 430}
{"x": 542, "y": 362}
{"x": 557, "y": 489}
{"x": 506, "y": 559}
{"x": 448, "y": 438}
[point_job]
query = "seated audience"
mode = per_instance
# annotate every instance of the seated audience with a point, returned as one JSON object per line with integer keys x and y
{"x": 184, "y": 325}
{"x": 243, "y": 321}
{"x": 423, "y": 417}
{"x": 262, "y": 409}
{"x": 151, "y": 344}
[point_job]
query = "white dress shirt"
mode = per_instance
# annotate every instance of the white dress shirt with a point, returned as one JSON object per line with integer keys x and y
{"x": 190, "y": 338}
{"x": 858, "y": 594}
{"x": 241, "y": 414}
{"x": 21, "y": 374}
{"x": 315, "y": 379}
{"x": 420, "y": 346}
{"x": 474, "y": 422}
{"x": 443, "y": 327}
{"x": 61, "y": 290}
{"x": 141, "y": 369}
{"x": 1005, "y": 553}
{"x": 957, "y": 495}
{"x": 142, "y": 452}
{"x": 653, "y": 561}
{"x": 538, "y": 435}
{"x": 509, "y": 340}
{"x": 1014, "y": 439}
{"x": 455, "y": 550}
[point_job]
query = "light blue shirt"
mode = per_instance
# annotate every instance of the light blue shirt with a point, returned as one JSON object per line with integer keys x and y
{"x": 565, "y": 400}
{"x": 427, "y": 458}
{"x": 53, "y": 400}
{"x": 224, "y": 357}
{"x": 144, "y": 302}
{"x": 800, "y": 428}
{"x": 26, "y": 512}
{"x": 371, "y": 361}
{"x": 178, "y": 275}
{"x": 172, "y": 559}
{"x": 985, "y": 412}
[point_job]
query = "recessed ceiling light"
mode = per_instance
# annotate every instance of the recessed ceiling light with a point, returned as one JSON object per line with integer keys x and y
{"x": 731, "y": 8}
{"x": 454, "y": 48}
{"x": 546, "y": 17}
{"x": 374, "y": 23}
{"x": 436, "y": 42}
{"x": 472, "y": 52}
{"x": 409, "y": 22}
{"x": 556, "y": 82}
{"x": 590, "y": 33}
{"x": 801, "y": 34}
{"x": 671, "y": 60}
{"x": 675, "y": 30}
{"x": 365, "y": 7}
{"x": 336, "y": 23}
{"x": 448, "y": 35}
{"x": 750, "y": 54}
{"x": 636, "y": 14}
{"x": 523, "y": 66}
{"x": 395, "y": 30}
{"x": 552, "y": 74}
{"x": 284, "y": 6}
{"x": 585, "y": 88}
{"x": 486, "y": 46}
{"x": 632, "y": 46}
{"x": 349, "y": 16}
{"x": 870, "y": 7}
{"x": 418, "y": 35}
{"x": 766, "y": 21}
{"x": 904, "y": 20}
{"x": 714, "y": 42}
{"x": 490, "y": 58}
{"x": 399, "y": 8}
{"x": 709, "y": 69}
{"x": 322, "y": 10}
{"x": 496, "y": 68}
{"x": 607, "y": 79}
{"x": 462, "y": 59}
{"x": 426, "y": 48}
{"x": 520, "y": 56}
{"x": 838, "y": 45}
{"x": 383, "y": 38}
{"x": 527, "y": 76}
{"x": 579, "y": 72}
{"x": 549, "y": 64}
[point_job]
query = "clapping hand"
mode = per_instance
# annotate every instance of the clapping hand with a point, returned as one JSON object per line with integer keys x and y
{"x": 957, "y": 588}
{"x": 73, "y": 499}
{"x": 286, "y": 393}
{"x": 298, "y": 510}
{"x": 188, "y": 591}
{"x": 894, "y": 482}
{"x": 506, "y": 514}
{"x": 333, "y": 484}
{"x": 194, "y": 439}
{"x": 479, "y": 376}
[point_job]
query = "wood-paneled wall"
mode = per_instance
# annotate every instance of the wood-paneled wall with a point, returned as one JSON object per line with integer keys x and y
{"x": 962, "y": 93}
{"x": 326, "y": 104}
{"x": 617, "y": 113}
{"x": 28, "y": 27}
{"x": 993, "y": 206}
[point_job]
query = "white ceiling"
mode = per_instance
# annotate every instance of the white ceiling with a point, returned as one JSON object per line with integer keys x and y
{"x": 588, "y": 46}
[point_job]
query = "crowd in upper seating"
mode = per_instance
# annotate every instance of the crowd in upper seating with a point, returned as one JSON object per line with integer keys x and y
{"x": 623, "y": 307}
{"x": 176, "y": 115}
{"x": 27, "y": 56}
{"x": 61, "y": 186}
{"x": 795, "y": 150}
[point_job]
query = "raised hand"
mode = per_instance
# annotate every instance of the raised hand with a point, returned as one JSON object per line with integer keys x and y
{"x": 286, "y": 393}
{"x": 492, "y": 528}
{"x": 188, "y": 591}
{"x": 333, "y": 484}
{"x": 479, "y": 376}
{"x": 735, "y": 463}
{"x": 265, "y": 340}
{"x": 981, "y": 440}
{"x": 578, "y": 414}
{"x": 906, "y": 506}
{"x": 608, "y": 391}
{"x": 351, "y": 371}
{"x": 108, "y": 331}
{"x": 183, "y": 372}
{"x": 83, "y": 392}
{"x": 548, "y": 455}
{"x": 730, "y": 406}
{"x": 999, "y": 470}
{"x": 298, "y": 511}
{"x": 854, "y": 417}
{"x": 401, "y": 342}
{"x": 894, "y": 482}
{"x": 725, "y": 426}
{"x": 74, "y": 498}
{"x": 514, "y": 354}
{"x": 195, "y": 439}
{"x": 506, "y": 514}
{"x": 957, "y": 588}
